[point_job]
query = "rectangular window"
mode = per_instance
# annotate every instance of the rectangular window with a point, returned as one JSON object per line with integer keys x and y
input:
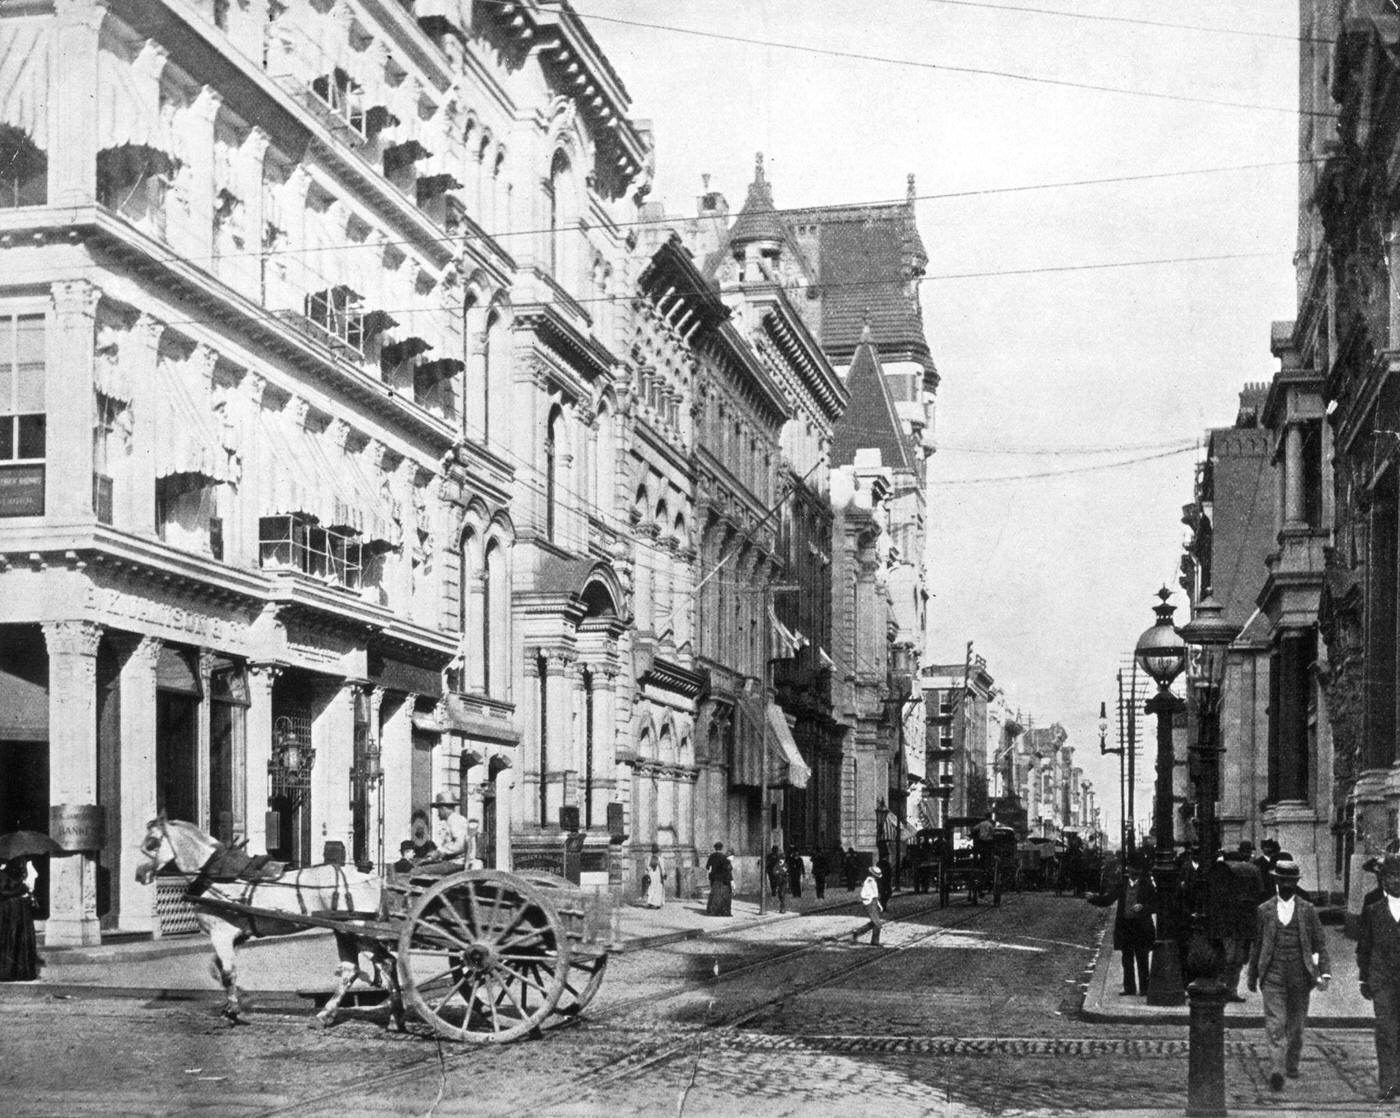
{"x": 340, "y": 313}
{"x": 22, "y": 415}
{"x": 296, "y": 543}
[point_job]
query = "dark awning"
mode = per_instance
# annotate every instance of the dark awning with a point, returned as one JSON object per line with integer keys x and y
{"x": 430, "y": 186}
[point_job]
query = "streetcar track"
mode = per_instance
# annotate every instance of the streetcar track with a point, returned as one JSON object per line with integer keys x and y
{"x": 623, "y": 1066}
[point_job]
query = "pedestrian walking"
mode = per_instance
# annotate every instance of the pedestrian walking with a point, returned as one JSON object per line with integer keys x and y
{"x": 655, "y": 881}
{"x": 870, "y": 898}
{"x": 1378, "y": 966}
{"x": 1288, "y": 960}
{"x": 776, "y": 867}
{"x": 19, "y": 952}
{"x": 821, "y": 866}
{"x": 1134, "y": 901}
{"x": 795, "y": 871}
{"x": 721, "y": 874}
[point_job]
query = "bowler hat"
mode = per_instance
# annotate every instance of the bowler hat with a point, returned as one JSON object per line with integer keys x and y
{"x": 1388, "y": 864}
{"x": 445, "y": 799}
{"x": 1286, "y": 870}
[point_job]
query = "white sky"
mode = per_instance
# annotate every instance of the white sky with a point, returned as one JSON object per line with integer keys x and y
{"x": 1052, "y": 578}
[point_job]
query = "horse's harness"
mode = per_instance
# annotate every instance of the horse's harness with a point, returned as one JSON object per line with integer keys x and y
{"x": 227, "y": 867}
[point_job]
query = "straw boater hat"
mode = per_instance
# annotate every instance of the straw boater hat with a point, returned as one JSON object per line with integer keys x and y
{"x": 873, "y": 871}
{"x": 444, "y": 799}
{"x": 1287, "y": 870}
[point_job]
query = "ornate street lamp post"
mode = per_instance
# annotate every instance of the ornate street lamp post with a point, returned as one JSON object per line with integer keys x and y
{"x": 1209, "y": 636}
{"x": 1162, "y": 655}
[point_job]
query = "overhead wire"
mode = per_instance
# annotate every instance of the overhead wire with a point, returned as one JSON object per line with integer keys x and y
{"x": 1010, "y": 75}
{"x": 1136, "y": 21}
{"x": 1097, "y": 468}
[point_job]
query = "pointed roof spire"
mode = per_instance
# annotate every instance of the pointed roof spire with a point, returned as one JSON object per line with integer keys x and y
{"x": 866, "y": 337}
{"x": 757, "y": 220}
{"x": 909, "y": 192}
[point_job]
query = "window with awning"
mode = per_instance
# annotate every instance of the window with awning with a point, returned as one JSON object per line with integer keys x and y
{"x": 785, "y": 763}
{"x": 190, "y": 438}
{"x": 307, "y": 475}
{"x": 24, "y": 97}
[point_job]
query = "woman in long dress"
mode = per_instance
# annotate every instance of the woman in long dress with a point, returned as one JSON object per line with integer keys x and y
{"x": 19, "y": 953}
{"x": 656, "y": 883}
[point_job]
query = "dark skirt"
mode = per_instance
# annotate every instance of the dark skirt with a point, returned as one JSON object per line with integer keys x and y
{"x": 721, "y": 899}
{"x": 19, "y": 952}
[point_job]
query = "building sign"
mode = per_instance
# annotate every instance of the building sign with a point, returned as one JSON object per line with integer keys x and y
{"x": 22, "y": 490}
{"x": 78, "y": 826}
{"x": 539, "y": 861}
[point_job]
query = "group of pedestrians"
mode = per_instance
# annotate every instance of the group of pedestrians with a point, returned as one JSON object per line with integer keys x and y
{"x": 1262, "y": 924}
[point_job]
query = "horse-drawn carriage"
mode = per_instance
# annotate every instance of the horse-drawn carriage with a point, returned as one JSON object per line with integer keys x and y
{"x": 480, "y": 956}
{"x": 980, "y": 868}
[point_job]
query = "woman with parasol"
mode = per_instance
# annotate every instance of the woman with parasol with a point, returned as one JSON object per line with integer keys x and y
{"x": 19, "y": 952}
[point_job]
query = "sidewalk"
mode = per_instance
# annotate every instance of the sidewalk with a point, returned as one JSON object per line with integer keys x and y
{"x": 178, "y": 967}
{"x": 1340, "y": 1006}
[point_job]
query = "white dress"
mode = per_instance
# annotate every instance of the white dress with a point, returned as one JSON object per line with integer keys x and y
{"x": 656, "y": 887}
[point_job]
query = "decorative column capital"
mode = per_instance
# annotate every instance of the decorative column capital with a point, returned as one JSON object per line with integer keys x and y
{"x": 256, "y": 143}
{"x": 146, "y": 652}
{"x": 264, "y": 675}
{"x": 206, "y": 106}
{"x": 75, "y": 297}
{"x": 72, "y": 638}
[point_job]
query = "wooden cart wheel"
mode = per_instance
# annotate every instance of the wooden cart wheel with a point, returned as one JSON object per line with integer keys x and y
{"x": 483, "y": 957}
{"x": 581, "y": 983}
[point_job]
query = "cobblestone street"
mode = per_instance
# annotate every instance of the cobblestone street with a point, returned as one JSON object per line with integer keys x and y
{"x": 961, "y": 1011}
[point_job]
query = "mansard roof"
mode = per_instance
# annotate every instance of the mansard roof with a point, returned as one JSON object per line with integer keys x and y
{"x": 870, "y": 421}
{"x": 869, "y": 259}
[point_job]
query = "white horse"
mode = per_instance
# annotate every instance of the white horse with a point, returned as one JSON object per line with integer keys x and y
{"x": 314, "y": 890}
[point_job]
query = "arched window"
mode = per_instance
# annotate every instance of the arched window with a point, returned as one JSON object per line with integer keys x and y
{"x": 551, "y": 471}
{"x": 487, "y": 603}
{"x": 495, "y": 622}
{"x": 603, "y": 479}
{"x": 560, "y": 173}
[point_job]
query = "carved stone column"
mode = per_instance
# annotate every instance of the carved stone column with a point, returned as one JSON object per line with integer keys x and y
{"x": 261, "y": 677}
{"x": 138, "y": 777}
{"x": 396, "y": 755}
{"x": 72, "y": 115}
{"x": 199, "y": 140}
{"x": 604, "y": 741}
{"x": 72, "y": 648}
{"x": 558, "y": 748}
{"x": 139, "y": 353}
{"x": 69, "y": 356}
{"x": 1293, "y": 477}
{"x": 206, "y": 670}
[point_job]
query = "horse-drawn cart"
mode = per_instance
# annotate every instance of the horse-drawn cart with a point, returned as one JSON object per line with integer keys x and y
{"x": 979, "y": 868}
{"x": 480, "y": 956}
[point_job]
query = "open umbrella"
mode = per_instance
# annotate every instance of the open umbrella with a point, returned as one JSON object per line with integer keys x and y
{"x": 28, "y": 844}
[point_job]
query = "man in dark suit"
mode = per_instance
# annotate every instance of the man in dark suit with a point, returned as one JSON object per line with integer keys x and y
{"x": 1133, "y": 932}
{"x": 1378, "y": 964}
{"x": 1289, "y": 958}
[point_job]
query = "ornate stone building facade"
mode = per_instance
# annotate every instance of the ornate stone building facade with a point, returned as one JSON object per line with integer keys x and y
{"x": 304, "y": 463}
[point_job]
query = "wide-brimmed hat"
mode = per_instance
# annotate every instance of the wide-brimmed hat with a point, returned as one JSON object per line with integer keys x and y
{"x": 873, "y": 871}
{"x": 1286, "y": 870}
{"x": 445, "y": 799}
